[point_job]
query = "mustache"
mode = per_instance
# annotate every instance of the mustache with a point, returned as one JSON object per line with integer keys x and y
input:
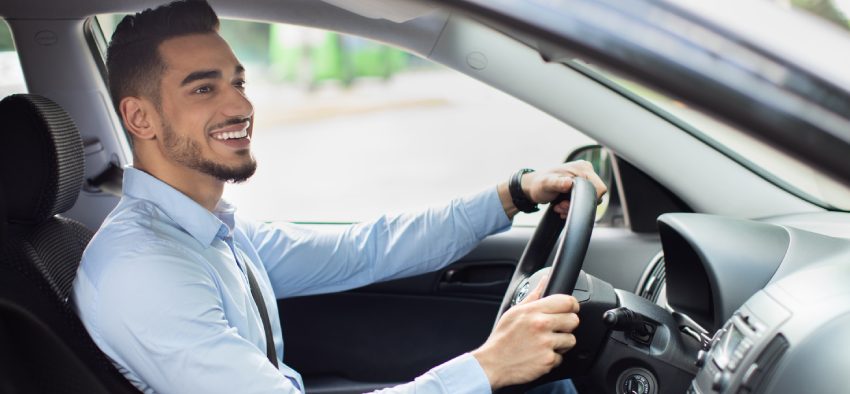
{"x": 231, "y": 121}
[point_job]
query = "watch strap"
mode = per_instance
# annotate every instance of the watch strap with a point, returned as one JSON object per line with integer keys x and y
{"x": 518, "y": 197}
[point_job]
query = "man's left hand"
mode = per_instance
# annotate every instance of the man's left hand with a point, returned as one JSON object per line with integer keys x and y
{"x": 544, "y": 186}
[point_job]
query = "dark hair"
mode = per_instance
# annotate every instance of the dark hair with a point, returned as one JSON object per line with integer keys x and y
{"x": 133, "y": 62}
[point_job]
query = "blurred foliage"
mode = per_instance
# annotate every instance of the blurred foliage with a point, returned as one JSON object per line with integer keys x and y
{"x": 6, "y": 42}
{"x": 249, "y": 40}
{"x": 309, "y": 61}
{"x": 825, "y": 9}
{"x": 330, "y": 56}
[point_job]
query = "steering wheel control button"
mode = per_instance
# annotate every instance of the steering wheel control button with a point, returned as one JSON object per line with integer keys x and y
{"x": 521, "y": 292}
{"x": 527, "y": 285}
{"x": 721, "y": 381}
{"x": 636, "y": 381}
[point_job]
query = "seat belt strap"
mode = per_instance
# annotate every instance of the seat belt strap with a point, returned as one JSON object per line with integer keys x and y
{"x": 264, "y": 315}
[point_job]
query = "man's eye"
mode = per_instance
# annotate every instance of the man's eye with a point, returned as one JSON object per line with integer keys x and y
{"x": 240, "y": 84}
{"x": 202, "y": 90}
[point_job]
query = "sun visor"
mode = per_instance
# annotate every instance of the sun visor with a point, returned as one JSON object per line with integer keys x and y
{"x": 395, "y": 11}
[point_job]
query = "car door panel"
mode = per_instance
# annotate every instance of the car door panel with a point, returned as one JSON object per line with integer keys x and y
{"x": 396, "y": 330}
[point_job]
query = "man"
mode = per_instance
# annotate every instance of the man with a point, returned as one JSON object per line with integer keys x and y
{"x": 179, "y": 292}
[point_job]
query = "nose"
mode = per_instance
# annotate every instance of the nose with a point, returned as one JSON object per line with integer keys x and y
{"x": 238, "y": 104}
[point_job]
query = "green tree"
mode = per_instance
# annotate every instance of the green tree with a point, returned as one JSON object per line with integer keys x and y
{"x": 825, "y": 9}
{"x": 6, "y": 42}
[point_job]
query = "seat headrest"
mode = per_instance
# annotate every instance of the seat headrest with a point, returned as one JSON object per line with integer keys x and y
{"x": 41, "y": 158}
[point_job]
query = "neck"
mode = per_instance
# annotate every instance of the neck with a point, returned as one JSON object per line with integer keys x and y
{"x": 202, "y": 188}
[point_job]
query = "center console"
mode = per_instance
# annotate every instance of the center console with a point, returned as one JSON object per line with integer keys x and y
{"x": 742, "y": 354}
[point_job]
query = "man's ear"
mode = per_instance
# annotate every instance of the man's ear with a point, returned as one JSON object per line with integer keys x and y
{"x": 139, "y": 117}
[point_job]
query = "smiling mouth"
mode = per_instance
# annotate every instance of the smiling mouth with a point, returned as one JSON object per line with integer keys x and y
{"x": 230, "y": 135}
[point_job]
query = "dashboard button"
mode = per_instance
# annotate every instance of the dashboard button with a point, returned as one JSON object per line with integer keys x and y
{"x": 750, "y": 375}
{"x": 701, "y": 357}
{"x": 733, "y": 364}
{"x": 721, "y": 381}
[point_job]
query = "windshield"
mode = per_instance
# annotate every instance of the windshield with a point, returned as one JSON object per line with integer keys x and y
{"x": 768, "y": 162}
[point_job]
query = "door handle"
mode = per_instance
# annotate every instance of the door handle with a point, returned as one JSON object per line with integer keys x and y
{"x": 483, "y": 279}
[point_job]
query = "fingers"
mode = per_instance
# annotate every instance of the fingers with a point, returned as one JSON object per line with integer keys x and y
{"x": 553, "y": 360}
{"x": 565, "y": 322}
{"x": 562, "y": 208}
{"x": 559, "y": 180}
{"x": 530, "y": 339}
{"x": 556, "y": 331}
{"x": 563, "y": 342}
{"x": 586, "y": 171}
{"x": 558, "y": 183}
{"x": 600, "y": 187}
{"x": 557, "y": 303}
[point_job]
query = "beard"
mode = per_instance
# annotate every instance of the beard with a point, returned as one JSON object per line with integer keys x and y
{"x": 188, "y": 153}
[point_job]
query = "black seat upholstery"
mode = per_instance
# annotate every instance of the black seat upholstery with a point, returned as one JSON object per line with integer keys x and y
{"x": 45, "y": 348}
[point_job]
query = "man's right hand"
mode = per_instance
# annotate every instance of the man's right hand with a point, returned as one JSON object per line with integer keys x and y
{"x": 530, "y": 339}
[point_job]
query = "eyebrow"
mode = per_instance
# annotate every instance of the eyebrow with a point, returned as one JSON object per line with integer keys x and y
{"x": 207, "y": 74}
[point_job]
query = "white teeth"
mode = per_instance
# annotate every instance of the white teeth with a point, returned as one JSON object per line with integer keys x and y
{"x": 230, "y": 135}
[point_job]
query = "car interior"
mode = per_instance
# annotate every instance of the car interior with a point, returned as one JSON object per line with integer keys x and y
{"x": 704, "y": 273}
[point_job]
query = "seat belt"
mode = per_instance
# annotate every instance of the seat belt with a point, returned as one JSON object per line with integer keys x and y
{"x": 264, "y": 315}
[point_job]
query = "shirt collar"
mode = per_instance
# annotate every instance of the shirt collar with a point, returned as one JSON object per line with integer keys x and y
{"x": 193, "y": 218}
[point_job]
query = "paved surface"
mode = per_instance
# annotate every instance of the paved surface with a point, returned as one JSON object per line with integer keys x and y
{"x": 387, "y": 146}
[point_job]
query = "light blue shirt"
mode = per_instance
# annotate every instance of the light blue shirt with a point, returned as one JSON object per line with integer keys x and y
{"x": 162, "y": 294}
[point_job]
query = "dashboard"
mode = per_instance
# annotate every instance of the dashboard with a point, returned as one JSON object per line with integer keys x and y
{"x": 770, "y": 299}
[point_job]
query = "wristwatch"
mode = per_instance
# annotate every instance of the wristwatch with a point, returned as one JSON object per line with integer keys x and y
{"x": 520, "y": 200}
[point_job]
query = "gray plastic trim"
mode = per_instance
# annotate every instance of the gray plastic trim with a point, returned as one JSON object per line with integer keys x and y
{"x": 649, "y": 268}
{"x": 738, "y": 258}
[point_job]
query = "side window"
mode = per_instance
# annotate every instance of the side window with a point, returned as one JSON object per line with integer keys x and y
{"x": 11, "y": 75}
{"x": 347, "y": 129}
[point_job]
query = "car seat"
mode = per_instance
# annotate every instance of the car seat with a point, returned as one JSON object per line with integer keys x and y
{"x": 45, "y": 348}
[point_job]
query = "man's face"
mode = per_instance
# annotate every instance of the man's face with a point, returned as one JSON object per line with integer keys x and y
{"x": 207, "y": 121}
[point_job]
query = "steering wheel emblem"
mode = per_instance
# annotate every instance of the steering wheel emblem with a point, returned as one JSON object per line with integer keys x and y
{"x": 522, "y": 292}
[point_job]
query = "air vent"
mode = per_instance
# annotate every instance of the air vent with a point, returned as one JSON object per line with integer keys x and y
{"x": 761, "y": 370}
{"x": 654, "y": 281}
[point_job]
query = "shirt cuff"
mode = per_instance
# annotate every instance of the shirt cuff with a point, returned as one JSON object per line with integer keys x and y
{"x": 463, "y": 374}
{"x": 486, "y": 213}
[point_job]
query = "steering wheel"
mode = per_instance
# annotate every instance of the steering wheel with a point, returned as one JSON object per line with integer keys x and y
{"x": 569, "y": 256}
